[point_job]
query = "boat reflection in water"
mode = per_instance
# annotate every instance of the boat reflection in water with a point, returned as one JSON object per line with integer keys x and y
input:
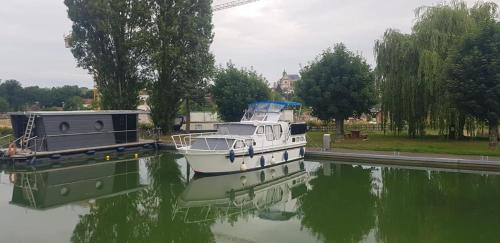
{"x": 48, "y": 188}
{"x": 270, "y": 192}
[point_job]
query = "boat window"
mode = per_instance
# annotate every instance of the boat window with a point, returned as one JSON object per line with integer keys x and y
{"x": 239, "y": 144}
{"x": 260, "y": 130}
{"x": 64, "y": 127}
{"x": 277, "y": 132}
{"x": 236, "y": 129}
{"x": 98, "y": 125}
{"x": 269, "y": 133}
{"x": 250, "y": 142}
{"x": 212, "y": 143}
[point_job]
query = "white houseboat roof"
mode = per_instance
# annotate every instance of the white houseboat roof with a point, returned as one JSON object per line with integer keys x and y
{"x": 86, "y": 112}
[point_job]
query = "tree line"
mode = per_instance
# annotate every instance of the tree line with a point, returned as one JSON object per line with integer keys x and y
{"x": 14, "y": 97}
{"x": 443, "y": 75}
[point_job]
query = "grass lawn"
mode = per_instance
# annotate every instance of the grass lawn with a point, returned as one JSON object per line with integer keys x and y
{"x": 428, "y": 144}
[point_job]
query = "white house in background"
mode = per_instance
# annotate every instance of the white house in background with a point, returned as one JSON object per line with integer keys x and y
{"x": 143, "y": 106}
{"x": 203, "y": 121}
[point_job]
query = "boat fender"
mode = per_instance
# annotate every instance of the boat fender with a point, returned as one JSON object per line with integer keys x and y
{"x": 302, "y": 167}
{"x": 120, "y": 149}
{"x": 285, "y": 155}
{"x": 250, "y": 151}
{"x": 262, "y": 161}
{"x": 302, "y": 152}
{"x": 262, "y": 176}
{"x": 243, "y": 180}
{"x": 251, "y": 193}
{"x": 12, "y": 178}
{"x": 12, "y": 149}
{"x": 232, "y": 195}
{"x": 231, "y": 155}
{"x": 243, "y": 166}
{"x": 285, "y": 170}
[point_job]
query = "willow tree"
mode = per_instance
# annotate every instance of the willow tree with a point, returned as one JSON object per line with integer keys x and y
{"x": 106, "y": 40}
{"x": 401, "y": 94}
{"x": 411, "y": 67}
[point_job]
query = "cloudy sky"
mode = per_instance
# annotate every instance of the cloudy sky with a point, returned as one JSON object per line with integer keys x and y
{"x": 269, "y": 35}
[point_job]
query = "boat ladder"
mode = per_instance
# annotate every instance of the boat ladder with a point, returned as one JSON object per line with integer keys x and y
{"x": 27, "y": 132}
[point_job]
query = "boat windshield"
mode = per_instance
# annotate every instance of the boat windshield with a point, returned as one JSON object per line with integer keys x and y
{"x": 236, "y": 129}
{"x": 212, "y": 143}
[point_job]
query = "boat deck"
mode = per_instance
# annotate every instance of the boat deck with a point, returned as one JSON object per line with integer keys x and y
{"x": 22, "y": 155}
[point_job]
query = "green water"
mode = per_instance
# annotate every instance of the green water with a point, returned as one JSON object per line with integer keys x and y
{"x": 156, "y": 199}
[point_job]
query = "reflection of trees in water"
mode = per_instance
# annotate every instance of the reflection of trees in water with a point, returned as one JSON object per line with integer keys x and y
{"x": 417, "y": 206}
{"x": 340, "y": 207}
{"x": 143, "y": 216}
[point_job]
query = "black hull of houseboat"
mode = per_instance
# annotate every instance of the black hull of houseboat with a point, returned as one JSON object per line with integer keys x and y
{"x": 102, "y": 153}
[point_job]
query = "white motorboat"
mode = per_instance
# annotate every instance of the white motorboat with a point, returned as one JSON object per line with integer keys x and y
{"x": 266, "y": 136}
{"x": 271, "y": 193}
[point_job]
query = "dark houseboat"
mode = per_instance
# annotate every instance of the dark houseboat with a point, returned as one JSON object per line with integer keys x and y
{"x": 49, "y": 188}
{"x": 56, "y": 134}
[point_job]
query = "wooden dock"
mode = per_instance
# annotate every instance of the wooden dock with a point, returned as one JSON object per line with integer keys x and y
{"x": 430, "y": 161}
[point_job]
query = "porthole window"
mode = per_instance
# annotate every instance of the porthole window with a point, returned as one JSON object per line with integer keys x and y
{"x": 64, "y": 127}
{"x": 98, "y": 125}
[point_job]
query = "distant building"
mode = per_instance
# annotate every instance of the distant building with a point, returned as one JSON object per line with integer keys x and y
{"x": 203, "y": 121}
{"x": 286, "y": 84}
{"x": 87, "y": 103}
{"x": 144, "y": 118}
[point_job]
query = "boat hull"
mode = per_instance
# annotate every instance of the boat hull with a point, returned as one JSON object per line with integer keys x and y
{"x": 209, "y": 162}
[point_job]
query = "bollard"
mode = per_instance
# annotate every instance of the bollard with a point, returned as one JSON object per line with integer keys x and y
{"x": 326, "y": 142}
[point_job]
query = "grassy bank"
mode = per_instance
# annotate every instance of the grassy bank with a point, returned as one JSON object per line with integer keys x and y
{"x": 428, "y": 144}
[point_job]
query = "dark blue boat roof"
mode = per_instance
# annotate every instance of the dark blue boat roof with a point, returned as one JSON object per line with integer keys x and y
{"x": 284, "y": 103}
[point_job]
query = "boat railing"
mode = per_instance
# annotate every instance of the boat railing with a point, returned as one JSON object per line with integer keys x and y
{"x": 186, "y": 140}
{"x": 9, "y": 139}
{"x": 34, "y": 144}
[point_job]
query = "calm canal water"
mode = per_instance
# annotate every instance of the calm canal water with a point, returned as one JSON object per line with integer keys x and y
{"x": 155, "y": 199}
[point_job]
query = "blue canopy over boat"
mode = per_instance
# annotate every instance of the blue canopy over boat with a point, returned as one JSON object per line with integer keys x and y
{"x": 284, "y": 103}
{"x": 267, "y": 110}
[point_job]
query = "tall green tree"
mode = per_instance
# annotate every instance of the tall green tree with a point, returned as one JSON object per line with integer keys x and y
{"x": 4, "y": 105}
{"x": 13, "y": 93}
{"x": 474, "y": 76}
{"x": 179, "y": 38}
{"x": 107, "y": 40}
{"x": 74, "y": 103}
{"x": 235, "y": 88}
{"x": 337, "y": 85}
{"x": 411, "y": 72}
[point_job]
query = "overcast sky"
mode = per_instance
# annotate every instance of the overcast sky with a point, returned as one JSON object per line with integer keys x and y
{"x": 268, "y": 35}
